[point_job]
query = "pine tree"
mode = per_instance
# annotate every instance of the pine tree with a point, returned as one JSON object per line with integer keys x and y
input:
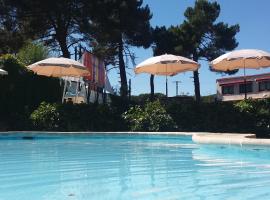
{"x": 199, "y": 36}
{"x": 120, "y": 25}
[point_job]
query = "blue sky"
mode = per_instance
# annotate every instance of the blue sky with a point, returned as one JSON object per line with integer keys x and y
{"x": 252, "y": 16}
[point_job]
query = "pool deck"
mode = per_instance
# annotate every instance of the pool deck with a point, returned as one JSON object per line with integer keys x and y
{"x": 229, "y": 139}
{"x": 197, "y": 137}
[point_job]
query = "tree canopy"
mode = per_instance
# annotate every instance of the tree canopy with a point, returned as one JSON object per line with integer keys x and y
{"x": 32, "y": 52}
{"x": 119, "y": 25}
{"x": 54, "y": 22}
{"x": 200, "y": 36}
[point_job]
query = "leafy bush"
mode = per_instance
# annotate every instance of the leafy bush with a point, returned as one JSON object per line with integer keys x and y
{"x": 151, "y": 117}
{"x": 259, "y": 114}
{"x": 246, "y": 106}
{"x": 46, "y": 117}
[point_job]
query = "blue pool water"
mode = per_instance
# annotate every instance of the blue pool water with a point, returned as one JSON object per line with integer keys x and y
{"x": 129, "y": 167}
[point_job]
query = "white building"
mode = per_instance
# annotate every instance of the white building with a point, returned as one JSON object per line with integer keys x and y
{"x": 233, "y": 88}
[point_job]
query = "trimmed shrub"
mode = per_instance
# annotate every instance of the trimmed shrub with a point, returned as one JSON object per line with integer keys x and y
{"x": 46, "y": 117}
{"x": 151, "y": 117}
{"x": 258, "y": 112}
{"x": 76, "y": 117}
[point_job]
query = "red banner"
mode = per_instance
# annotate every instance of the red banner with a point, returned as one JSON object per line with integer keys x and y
{"x": 96, "y": 67}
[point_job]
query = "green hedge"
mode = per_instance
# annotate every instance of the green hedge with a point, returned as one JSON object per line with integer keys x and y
{"x": 22, "y": 91}
{"x": 78, "y": 117}
{"x": 244, "y": 116}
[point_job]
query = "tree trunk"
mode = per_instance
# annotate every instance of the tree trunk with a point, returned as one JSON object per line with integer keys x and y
{"x": 152, "y": 86}
{"x": 197, "y": 86}
{"x": 196, "y": 81}
{"x": 122, "y": 68}
{"x": 65, "y": 50}
{"x": 62, "y": 40}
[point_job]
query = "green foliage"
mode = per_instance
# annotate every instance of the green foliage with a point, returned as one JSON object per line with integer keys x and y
{"x": 259, "y": 114}
{"x": 21, "y": 91}
{"x": 151, "y": 117}
{"x": 245, "y": 106}
{"x": 142, "y": 98}
{"x": 54, "y": 22}
{"x": 119, "y": 25}
{"x": 14, "y": 67}
{"x": 165, "y": 41}
{"x": 212, "y": 117}
{"x": 199, "y": 36}
{"x": 32, "y": 52}
{"x": 209, "y": 98}
{"x": 77, "y": 117}
{"x": 12, "y": 36}
{"x": 45, "y": 117}
{"x": 251, "y": 116}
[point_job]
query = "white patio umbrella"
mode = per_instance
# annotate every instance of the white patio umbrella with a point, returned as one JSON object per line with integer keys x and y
{"x": 246, "y": 58}
{"x": 167, "y": 65}
{"x": 3, "y": 72}
{"x": 59, "y": 67}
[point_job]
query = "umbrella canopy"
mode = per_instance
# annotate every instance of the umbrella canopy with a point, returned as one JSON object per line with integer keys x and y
{"x": 59, "y": 67}
{"x": 246, "y": 58}
{"x": 167, "y": 65}
{"x": 3, "y": 72}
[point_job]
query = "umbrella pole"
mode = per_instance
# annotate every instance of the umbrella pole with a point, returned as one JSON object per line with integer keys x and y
{"x": 64, "y": 91}
{"x": 76, "y": 97}
{"x": 245, "y": 80}
{"x": 166, "y": 86}
{"x": 166, "y": 82}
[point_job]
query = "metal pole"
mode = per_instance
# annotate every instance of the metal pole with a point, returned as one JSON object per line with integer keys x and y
{"x": 176, "y": 84}
{"x": 166, "y": 86}
{"x": 76, "y": 97}
{"x": 166, "y": 82}
{"x": 245, "y": 81}
{"x": 176, "y": 88}
{"x": 64, "y": 91}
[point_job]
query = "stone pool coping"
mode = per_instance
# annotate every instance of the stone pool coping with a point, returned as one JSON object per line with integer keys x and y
{"x": 229, "y": 139}
{"x": 197, "y": 137}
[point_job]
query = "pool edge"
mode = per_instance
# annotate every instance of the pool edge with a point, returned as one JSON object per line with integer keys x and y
{"x": 229, "y": 139}
{"x": 197, "y": 137}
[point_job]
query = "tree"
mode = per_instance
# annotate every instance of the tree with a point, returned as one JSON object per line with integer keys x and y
{"x": 54, "y": 22}
{"x": 119, "y": 25}
{"x": 32, "y": 52}
{"x": 200, "y": 37}
{"x": 11, "y": 33}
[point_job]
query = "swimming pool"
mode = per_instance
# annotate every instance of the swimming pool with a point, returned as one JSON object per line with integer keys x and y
{"x": 121, "y": 166}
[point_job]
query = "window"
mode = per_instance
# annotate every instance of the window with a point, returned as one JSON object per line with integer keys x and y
{"x": 264, "y": 85}
{"x": 227, "y": 89}
{"x": 242, "y": 88}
